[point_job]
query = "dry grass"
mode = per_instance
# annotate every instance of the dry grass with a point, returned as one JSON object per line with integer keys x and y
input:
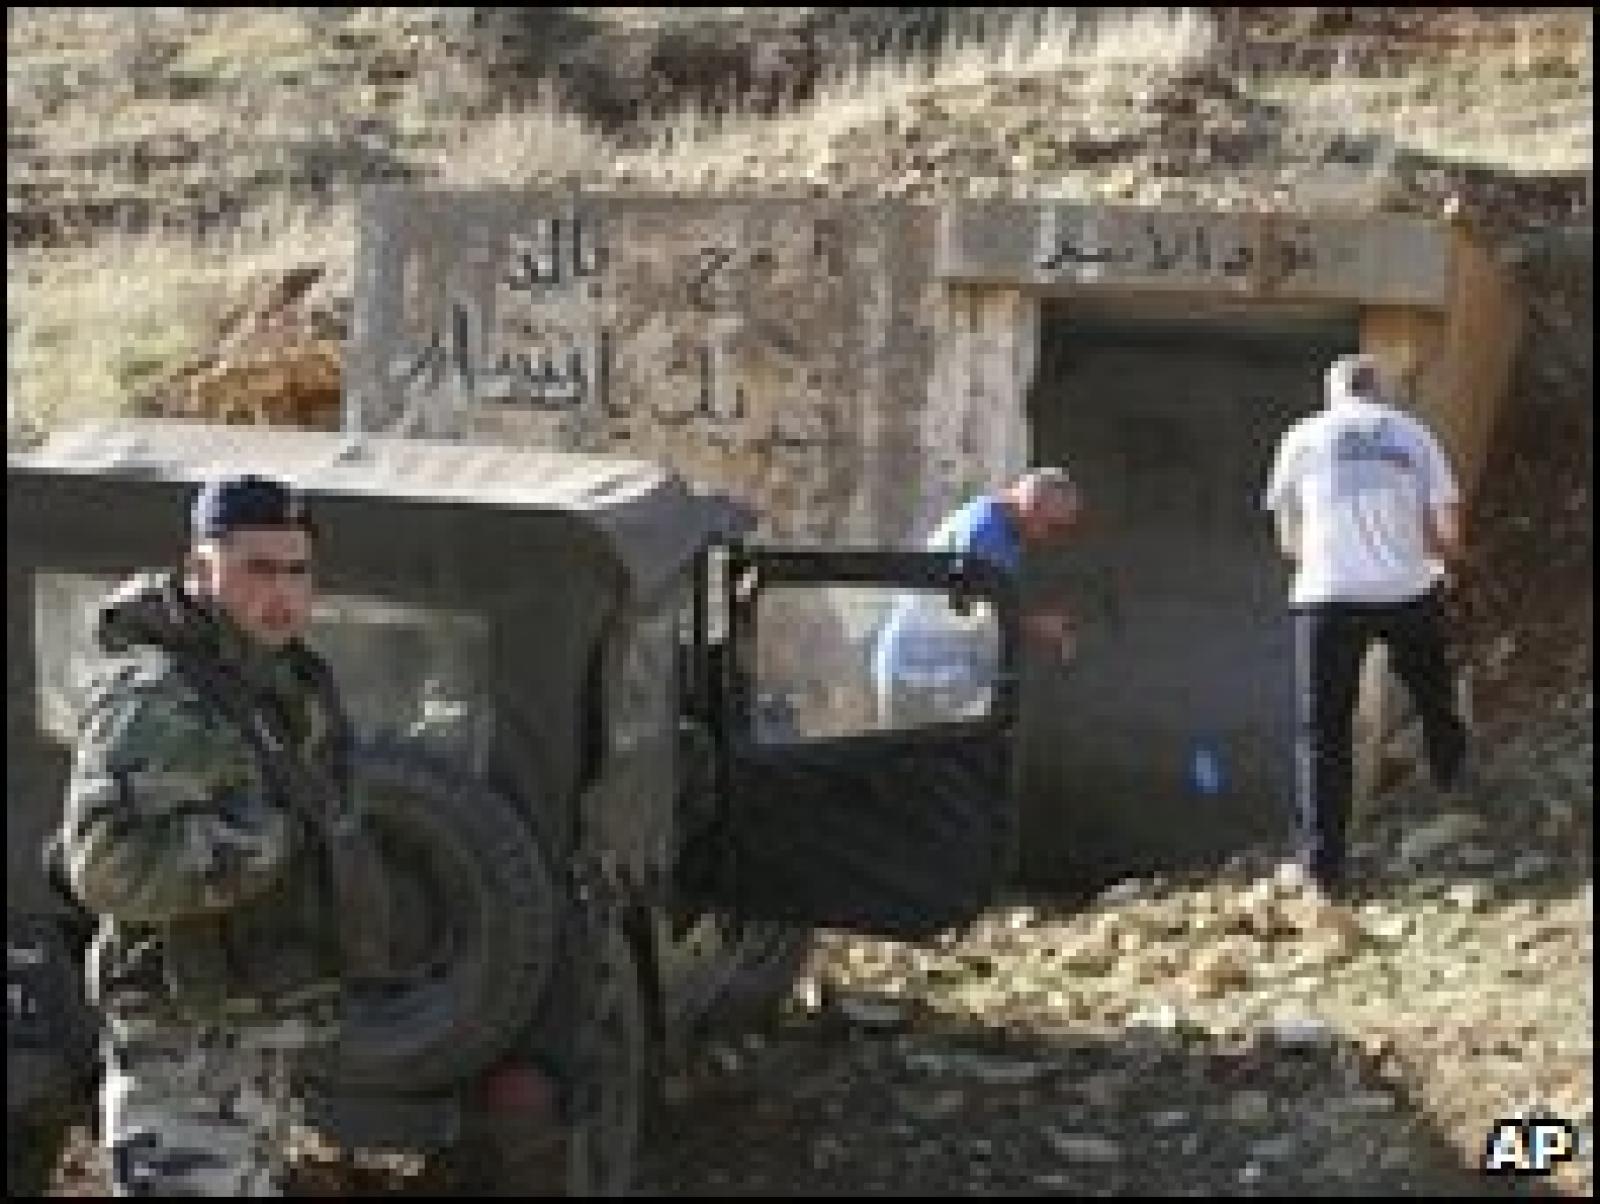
{"x": 1108, "y": 59}
{"x": 89, "y": 330}
{"x": 515, "y": 146}
{"x": 1518, "y": 109}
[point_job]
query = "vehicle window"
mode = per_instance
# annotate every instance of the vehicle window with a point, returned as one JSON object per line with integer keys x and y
{"x": 841, "y": 660}
{"x": 65, "y": 658}
{"x": 417, "y": 675}
{"x": 408, "y": 673}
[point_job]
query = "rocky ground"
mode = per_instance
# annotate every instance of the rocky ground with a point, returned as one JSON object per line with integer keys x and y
{"x": 1219, "y": 1035}
{"x": 1202, "y": 1036}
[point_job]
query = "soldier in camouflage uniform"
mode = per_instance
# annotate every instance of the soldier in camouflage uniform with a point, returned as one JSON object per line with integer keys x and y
{"x": 217, "y": 962}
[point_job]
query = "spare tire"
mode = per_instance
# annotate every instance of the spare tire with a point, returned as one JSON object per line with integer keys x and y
{"x": 474, "y": 901}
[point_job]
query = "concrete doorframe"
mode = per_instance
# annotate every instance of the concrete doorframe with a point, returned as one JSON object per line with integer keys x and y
{"x": 975, "y": 425}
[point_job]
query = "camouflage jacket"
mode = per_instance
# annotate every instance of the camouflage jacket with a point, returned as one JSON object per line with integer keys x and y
{"x": 212, "y": 898}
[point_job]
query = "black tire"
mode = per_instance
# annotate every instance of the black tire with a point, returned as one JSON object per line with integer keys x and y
{"x": 475, "y": 906}
{"x": 603, "y": 1153}
{"x": 33, "y": 1148}
{"x": 746, "y": 981}
{"x": 52, "y": 1034}
{"x": 52, "y": 1063}
{"x": 497, "y": 1156}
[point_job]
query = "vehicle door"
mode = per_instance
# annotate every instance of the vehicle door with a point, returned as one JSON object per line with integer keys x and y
{"x": 869, "y": 701}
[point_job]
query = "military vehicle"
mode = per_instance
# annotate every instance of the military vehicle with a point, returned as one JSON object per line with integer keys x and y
{"x": 617, "y": 782}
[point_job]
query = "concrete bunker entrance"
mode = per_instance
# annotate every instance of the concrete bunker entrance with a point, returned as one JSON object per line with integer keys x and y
{"x": 1167, "y": 742}
{"x": 724, "y": 338}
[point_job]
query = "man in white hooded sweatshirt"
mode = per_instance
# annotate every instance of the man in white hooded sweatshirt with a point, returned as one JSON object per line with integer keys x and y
{"x": 1368, "y": 510}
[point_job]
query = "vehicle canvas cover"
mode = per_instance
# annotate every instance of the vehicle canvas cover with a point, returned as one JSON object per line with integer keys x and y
{"x": 547, "y": 549}
{"x": 646, "y": 518}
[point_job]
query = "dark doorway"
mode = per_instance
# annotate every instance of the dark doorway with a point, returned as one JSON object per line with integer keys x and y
{"x": 1167, "y": 742}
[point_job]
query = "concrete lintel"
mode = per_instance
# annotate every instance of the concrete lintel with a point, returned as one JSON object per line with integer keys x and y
{"x": 1381, "y": 259}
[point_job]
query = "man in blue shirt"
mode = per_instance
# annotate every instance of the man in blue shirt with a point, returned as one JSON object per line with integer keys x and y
{"x": 929, "y": 663}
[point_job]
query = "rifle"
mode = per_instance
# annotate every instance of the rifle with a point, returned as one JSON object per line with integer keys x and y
{"x": 323, "y": 801}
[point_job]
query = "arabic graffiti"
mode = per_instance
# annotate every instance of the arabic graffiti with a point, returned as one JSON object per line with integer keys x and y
{"x": 532, "y": 344}
{"x": 1379, "y": 259}
{"x": 708, "y": 357}
{"x": 567, "y": 377}
{"x": 540, "y": 378}
{"x": 705, "y": 278}
{"x": 1299, "y": 251}
{"x": 827, "y": 244}
{"x": 720, "y": 276}
{"x": 1077, "y": 243}
{"x": 555, "y": 251}
{"x": 1090, "y": 247}
{"x": 719, "y": 400}
{"x": 1186, "y": 250}
{"x": 515, "y": 379}
{"x": 1289, "y": 257}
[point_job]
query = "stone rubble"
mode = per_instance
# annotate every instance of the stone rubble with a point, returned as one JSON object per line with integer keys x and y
{"x": 1258, "y": 1039}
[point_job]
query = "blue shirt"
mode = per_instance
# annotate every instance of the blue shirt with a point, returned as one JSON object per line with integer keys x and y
{"x": 912, "y": 643}
{"x": 981, "y": 528}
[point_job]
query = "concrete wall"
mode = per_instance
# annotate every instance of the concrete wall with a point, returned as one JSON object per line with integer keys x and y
{"x": 1454, "y": 365}
{"x": 778, "y": 350}
{"x": 854, "y": 370}
{"x": 974, "y": 422}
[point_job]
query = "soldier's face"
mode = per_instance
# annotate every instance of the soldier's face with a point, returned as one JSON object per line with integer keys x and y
{"x": 261, "y": 577}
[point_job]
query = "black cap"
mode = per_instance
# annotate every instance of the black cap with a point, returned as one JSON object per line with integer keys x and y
{"x": 227, "y": 504}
